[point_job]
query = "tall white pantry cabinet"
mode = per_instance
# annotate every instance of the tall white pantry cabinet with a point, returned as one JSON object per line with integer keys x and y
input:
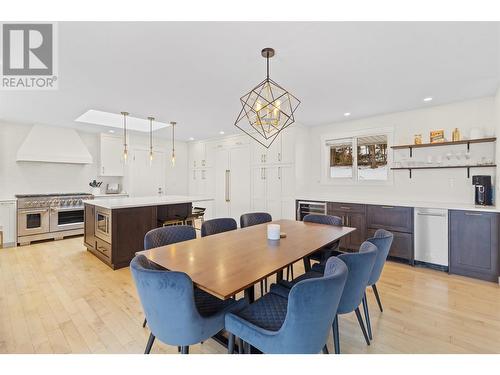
{"x": 243, "y": 176}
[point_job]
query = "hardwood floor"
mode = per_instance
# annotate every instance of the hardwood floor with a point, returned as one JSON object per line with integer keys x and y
{"x": 55, "y": 297}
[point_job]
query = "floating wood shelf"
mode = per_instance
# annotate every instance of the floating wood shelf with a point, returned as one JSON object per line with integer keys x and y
{"x": 448, "y": 167}
{"x": 464, "y": 142}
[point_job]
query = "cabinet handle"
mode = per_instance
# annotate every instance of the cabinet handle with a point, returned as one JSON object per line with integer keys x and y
{"x": 265, "y": 173}
{"x": 103, "y": 249}
{"x": 279, "y": 156}
{"x": 102, "y": 170}
{"x": 387, "y": 207}
{"x": 202, "y": 175}
{"x": 473, "y": 214}
{"x": 227, "y": 185}
{"x": 265, "y": 158}
{"x": 262, "y": 173}
{"x": 345, "y": 208}
{"x": 279, "y": 173}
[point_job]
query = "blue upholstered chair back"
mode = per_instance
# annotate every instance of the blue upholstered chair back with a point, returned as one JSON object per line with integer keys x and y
{"x": 168, "y": 235}
{"x": 383, "y": 240}
{"x": 220, "y": 225}
{"x": 312, "y": 306}
{"x": 323, "y": 219}
{"x": 360, "y": 266}
{"x": 254, "y": 218}
{"x": 167, "y": 298}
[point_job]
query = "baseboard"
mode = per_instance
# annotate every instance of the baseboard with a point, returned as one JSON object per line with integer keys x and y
{"x": 433, "y": 266}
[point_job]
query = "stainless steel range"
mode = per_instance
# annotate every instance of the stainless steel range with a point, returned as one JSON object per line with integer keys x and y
{"x": 46, "y": 216}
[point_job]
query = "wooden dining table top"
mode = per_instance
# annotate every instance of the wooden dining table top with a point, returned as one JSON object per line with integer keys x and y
{"x": 227, "y": 263}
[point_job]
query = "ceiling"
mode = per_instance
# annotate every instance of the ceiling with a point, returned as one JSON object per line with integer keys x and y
{"x": 195, "y": 72}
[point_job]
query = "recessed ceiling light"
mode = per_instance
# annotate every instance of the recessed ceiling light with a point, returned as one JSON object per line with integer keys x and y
{"x": 347, "y": 114}
{"x": 428, "y": 99}
{"x": 115, "y": 120}
{"x": 111, "y": 131}
{"x": 221, "y": 132}
{"x": 191, "y": 138}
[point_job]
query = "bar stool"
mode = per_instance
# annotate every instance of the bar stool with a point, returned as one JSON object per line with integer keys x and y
{"x": 197, "y": 213}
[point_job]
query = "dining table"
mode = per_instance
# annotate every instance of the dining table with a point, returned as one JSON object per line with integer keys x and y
{"x": 227, "y": 263}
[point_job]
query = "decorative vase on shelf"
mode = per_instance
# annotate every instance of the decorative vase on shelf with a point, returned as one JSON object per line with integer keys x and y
{"x": 455, "y": 136}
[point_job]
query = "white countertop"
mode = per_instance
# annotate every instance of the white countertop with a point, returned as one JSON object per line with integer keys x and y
{"x": 116, "y": 203}
{"x": 110, "y": 195}
{"x": 396, "y": 202}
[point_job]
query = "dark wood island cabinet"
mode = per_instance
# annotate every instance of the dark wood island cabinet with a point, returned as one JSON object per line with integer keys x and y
{"x": 115, "y": 235}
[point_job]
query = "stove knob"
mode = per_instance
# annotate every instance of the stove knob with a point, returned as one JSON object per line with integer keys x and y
{"x": 80, "y": 202}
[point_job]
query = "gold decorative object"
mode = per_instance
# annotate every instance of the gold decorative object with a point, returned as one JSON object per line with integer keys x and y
{"x": 455, "y": 136}
{"x": 437, "y": 136}
{"x": 418, "y": 139}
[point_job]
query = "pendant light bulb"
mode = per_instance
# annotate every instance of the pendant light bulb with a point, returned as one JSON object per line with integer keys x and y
{"x": 151, "y": 119}
{"x": 125, "y": 150}
{"x": 173, "y": 123}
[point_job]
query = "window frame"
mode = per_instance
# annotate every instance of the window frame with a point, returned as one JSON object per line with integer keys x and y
{"x": 326, "y": 179}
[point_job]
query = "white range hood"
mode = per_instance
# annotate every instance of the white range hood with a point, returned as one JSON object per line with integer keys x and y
{"x": 50, "y": 144}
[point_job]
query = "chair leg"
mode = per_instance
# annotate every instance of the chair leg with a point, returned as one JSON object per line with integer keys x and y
{"x": 367, "y": 317}
{"x": 144, "y": 323}
{"x": 149, "y": 345}
{"x": 362, "y": 325}
{"x": 178, "y": 349}
{"x": 307, "y": 264}
{"x": 230, "y": 344}
{"x": 241, "y": 349}
{"x": 184, "y": 349}
{"x": 261, "y": 288}
{"x": 325, "y": 350}
{"x": 287, "y": 273}
{"x": 375, "y": 291}
{"x": 336, "y": 335}
{"x": 291, "y": 268}
{"x": 265, "y": 285}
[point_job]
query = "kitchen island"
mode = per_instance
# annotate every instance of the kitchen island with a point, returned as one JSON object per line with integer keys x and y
{"x": 114, "y": 228}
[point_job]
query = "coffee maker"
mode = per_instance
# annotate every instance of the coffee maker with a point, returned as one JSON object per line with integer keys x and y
{"x": 482, "y": 190}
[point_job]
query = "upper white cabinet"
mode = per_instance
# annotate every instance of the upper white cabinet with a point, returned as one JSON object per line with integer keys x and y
{"x": 281, "y": 150}
{"x": 197, "y": 154}
{"x": 111, "y": 156}
{"x": 8, "y": 222}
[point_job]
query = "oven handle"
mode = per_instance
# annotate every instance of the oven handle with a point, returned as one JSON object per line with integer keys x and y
{"x": 79, "y": 208}
{"x": 29, "y": 210}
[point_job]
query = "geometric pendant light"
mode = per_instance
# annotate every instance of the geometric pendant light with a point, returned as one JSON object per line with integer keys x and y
{"x": 267, "y": 109}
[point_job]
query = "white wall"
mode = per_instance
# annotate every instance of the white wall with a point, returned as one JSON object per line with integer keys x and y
{"x": 497, "y": 127}
{"x": 441, "y": 185}
{"x": 34, "y": 177}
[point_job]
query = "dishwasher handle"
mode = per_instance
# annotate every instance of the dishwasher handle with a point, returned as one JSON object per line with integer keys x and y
{"x": 429, "y": 214}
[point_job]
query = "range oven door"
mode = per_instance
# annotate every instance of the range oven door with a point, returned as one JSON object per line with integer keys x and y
{"x": 32, "y": 221}
{"x": 66, "y": 218}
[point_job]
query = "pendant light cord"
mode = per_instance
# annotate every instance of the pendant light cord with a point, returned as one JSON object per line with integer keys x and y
{"x": 267, "y": 63}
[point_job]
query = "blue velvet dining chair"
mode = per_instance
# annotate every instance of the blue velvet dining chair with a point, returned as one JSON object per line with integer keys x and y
{"x": 383, "y": 240}
{"x": 178, "y": 313}
{"x": 293, "y": 325}
{"x": 323, "y": 254}
{"x": 218, "y": 225}
{"x": 166, "y": 236}
{"x": 256, "y": 218}
{"x": 360, "y": 266}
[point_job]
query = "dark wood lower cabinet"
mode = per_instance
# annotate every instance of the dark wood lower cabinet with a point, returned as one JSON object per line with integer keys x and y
{"x": 128, "y": 227}
{"x": 352, "y": 215}
{"x": 473, "y": 244}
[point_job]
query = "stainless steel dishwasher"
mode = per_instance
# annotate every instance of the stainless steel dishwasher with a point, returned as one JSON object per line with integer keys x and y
{"x": 431, "y": 236}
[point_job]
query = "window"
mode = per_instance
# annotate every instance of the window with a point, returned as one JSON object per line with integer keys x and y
{"x": 368, "y": 163}
{"x": 341, "y": 158}
{"x": 372, "y": 157}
